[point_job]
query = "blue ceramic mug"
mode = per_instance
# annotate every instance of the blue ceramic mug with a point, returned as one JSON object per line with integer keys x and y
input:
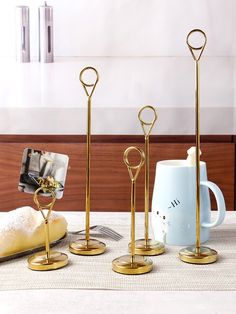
{"x": 174, "y": 203}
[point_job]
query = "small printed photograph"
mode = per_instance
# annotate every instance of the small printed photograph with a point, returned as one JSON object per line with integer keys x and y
{"x": 38, "y": 165}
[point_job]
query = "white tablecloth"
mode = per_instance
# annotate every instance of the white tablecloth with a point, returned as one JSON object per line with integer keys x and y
{"x": 103, "y": 301}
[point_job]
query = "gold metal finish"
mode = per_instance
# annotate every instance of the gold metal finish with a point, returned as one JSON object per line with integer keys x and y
{"x": 132, "y": 264}
{"x": 197, "y": 254}
{"x": 48, "y": 183}
{"x": 147, "y": 246}
{"x": 137, "y": 266}
{"x": 40, "y": 262}
{"x": 88, "y": 246}
{"x": 203, "y": 255}
{"x": 199, "y": 48}
{"x": 47, "y": 260}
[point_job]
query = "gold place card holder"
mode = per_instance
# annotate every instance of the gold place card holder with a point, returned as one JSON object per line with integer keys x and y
{"x": 47, "y": 260}
{"x": 133, "y": 264}
{"x": 147, "y": 246}
{"x": 88, "y": 246}
{"x": 43, "y": 174}
{"x": 197, "y": 254}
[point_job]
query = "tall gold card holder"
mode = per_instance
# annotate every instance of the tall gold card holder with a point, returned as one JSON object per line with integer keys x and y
{"x": 88, "y": 246}
{"x": 197, "y": 254}
{"x": 147, "y": 246}
{"x": 132, "y": 264}
{"x": 47, "y": 260}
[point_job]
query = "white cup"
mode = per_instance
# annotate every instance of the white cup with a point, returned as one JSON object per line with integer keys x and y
{"x": 174, "y": 203}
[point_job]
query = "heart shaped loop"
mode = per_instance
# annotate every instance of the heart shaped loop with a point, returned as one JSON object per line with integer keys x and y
{"x": 147, "y": 125}
{"x": 89, "y": 87}
{"x": 137, "y": 167}
{"x": 200, "y": 48}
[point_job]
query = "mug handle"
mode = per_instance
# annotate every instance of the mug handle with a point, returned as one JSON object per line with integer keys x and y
{"x": 221, "y": 210}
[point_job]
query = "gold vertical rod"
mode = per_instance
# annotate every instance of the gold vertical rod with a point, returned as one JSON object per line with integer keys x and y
{"x": 147, "y": 128}
{"x": 49, "y": 207}
{"x": 88, "y": 246}
{"x": 133, "y": 206}
{"x": 132, "y": 264}
{"x": 146, "y": 199}
{"x": 197, "y": 254}
{"x": 88, "y": 154}
{"x": 197, "y": 125}
{"x": 47, "y": 246}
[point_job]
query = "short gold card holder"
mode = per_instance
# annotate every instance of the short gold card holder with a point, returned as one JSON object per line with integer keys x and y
{"x": 47, "y": 260}
{"x": 88, "y": 246}
{"x": 197, "y": 254}
{"x": 132, "y": 264}
{"x": 147, "y": 246}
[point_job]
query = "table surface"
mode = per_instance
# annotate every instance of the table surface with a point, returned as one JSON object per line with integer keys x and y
{"x": 112, "y": 302}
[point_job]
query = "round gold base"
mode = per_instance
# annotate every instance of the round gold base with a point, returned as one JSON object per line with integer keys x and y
{"x": 39, "y": 261}
{"x": 87, "y": 247}
{"x": 149, "y": 248}
{"x": 125, "y": 265}
{"x": 205, "y": 255}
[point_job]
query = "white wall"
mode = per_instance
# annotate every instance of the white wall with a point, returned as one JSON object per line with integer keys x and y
{"x": 139, "y": 49}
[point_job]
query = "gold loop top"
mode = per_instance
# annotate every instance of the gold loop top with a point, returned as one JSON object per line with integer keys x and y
{"x": 47, "y": 185}
{"x": 134, "y": 167}
{"x": 192, "y": 48}
{"x": 85, "y": 85}
{"x": 44, "y": 206}
{"x": 147, "y": 123}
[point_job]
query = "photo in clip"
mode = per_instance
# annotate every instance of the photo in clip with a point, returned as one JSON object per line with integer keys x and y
{"x": 38, "y": 165}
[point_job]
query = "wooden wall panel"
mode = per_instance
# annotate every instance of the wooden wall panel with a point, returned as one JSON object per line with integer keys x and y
{"x": 110, "y": 190}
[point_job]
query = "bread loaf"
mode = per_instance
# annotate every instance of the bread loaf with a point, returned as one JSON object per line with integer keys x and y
{"x": 23, "y": 228}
